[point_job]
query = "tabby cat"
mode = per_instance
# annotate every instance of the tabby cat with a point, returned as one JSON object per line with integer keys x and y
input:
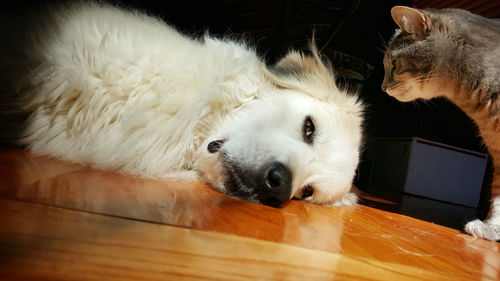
{"x": 455, "y": 54}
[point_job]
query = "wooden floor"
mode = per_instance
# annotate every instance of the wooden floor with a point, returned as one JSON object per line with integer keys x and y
{"x": 63, "y": 221}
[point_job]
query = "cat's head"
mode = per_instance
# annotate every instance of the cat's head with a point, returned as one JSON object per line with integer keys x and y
{"x": 414, "y": 58}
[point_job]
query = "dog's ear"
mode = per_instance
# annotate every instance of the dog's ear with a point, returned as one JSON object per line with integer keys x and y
{"x": 309, "y": 74}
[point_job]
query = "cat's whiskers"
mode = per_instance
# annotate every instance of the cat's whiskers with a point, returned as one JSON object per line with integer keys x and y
{"x": 425, "y": 78}
{"x": 384, "y": 42}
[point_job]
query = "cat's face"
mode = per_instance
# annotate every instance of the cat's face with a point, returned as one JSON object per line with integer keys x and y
{"x": 405, "y": 73}
{"x": 409, "y": 73}
{"x": 410, "y": 59}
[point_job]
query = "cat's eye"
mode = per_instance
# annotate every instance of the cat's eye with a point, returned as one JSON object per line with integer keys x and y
{"x": 308, "y": 130}
{"x": 395, "y": 67}
{"x": 394, "y": 63}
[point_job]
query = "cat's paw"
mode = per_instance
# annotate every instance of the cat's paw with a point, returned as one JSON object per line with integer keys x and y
{"x": 484, "y": 230}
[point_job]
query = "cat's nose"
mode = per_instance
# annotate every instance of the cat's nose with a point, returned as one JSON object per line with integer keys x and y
{"x": 383, "y": 87}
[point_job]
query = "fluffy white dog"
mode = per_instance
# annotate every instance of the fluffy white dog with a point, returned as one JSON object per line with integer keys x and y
{"x": 122, "y": 91}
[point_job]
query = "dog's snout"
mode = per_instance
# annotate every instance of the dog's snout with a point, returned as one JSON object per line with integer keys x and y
{"x": 275, "y": 188}
{"x": 214, "y": 146}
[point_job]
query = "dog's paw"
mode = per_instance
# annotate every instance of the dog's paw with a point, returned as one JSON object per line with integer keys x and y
{"x": 484, "y": 230}
{"x": 349, "y": 199}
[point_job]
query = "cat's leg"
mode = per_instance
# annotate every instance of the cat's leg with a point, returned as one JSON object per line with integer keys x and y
{"x": 490, "y": 228}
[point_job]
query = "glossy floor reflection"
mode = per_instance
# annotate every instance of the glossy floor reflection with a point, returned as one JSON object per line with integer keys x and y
{"x": 51, "y": 202}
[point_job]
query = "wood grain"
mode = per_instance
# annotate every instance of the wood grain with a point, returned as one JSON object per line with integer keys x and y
{"x": 334, "y": 241}
{"x": 44, "y": 243}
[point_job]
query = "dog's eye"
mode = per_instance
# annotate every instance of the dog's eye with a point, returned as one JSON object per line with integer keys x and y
{"x": 308, "y": 130}
{"x": 307, "y": 191}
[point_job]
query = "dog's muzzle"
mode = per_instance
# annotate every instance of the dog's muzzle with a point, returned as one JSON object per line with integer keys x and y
{"x": 270, "y": 184}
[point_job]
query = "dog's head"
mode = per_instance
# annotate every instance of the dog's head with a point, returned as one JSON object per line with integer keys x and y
{"x": 299, "y": 139}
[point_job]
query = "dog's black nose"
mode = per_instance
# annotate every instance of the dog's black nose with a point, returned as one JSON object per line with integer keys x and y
{"x": 276, "y": 185}
{"x": 215, "y": 146}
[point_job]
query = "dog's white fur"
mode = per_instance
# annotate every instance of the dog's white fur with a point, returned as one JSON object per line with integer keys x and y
{"x": 123, "y": 91}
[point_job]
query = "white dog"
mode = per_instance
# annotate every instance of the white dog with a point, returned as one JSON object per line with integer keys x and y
{"x": 122, "y": 91}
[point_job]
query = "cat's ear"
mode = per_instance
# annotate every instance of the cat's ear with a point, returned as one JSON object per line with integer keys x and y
{"x": 411, "y": 20}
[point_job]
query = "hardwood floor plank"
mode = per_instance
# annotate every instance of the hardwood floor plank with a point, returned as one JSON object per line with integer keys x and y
{"x": 40, "y": 242}
{"x": 358, "y": 233}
